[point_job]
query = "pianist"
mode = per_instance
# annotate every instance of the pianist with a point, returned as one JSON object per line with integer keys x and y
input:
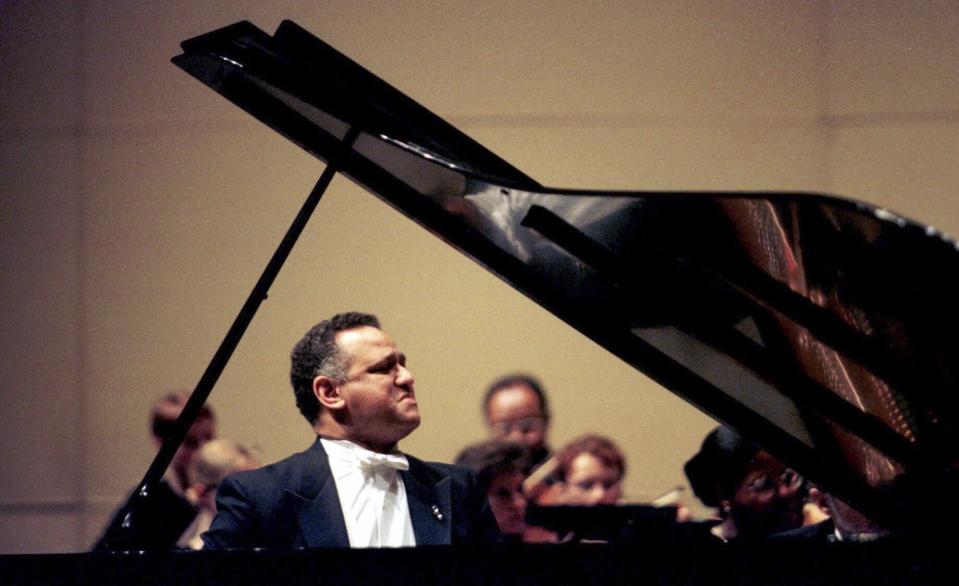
{"x": 352, "y": 487}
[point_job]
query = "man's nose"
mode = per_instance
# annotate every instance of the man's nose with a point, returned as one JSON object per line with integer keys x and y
{"x": 515, "y": 435}
{"x": 404, "y": 378}
{"x": 519, "y": 501}
{"x": 596, "y": 494}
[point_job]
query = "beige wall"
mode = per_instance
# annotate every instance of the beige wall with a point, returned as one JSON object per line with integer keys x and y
{"x": 137, "y": 207}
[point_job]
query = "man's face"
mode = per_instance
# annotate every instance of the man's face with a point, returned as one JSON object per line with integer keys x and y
{"x": 514, "y": 414}
{"x": 381, "y": 406}
{"x": 590, "y": 482}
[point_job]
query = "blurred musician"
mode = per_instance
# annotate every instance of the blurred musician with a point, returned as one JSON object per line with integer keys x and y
{"x": 756, "y": 494}
{"x": 500, "y": 467}
{"x": 213, "y": 462}
{"x": 516, "y": 410}
{"x": 169, "y": 512}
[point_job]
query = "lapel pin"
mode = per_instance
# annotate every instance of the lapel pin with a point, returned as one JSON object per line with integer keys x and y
{"x": 437, "y": 513}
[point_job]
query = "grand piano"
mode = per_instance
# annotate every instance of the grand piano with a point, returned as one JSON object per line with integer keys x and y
{"x": 822, "y": 328}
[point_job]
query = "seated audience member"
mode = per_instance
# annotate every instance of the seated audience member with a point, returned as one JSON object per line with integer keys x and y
{"x": 589, "y": 471}
{"x": 756, "y": 494}
{"x": 500, "y": 467}
{"x": 213, "y": 462}
{"x": 516, "y": 410}
{"x": 169, "y": 512}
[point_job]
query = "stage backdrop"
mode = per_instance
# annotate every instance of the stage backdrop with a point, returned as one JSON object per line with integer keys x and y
{"x": 137, "y": 207}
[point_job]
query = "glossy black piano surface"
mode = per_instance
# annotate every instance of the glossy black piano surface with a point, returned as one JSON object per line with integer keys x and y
{"x": 820, "y": 326}
{"x": 521, "y": 565}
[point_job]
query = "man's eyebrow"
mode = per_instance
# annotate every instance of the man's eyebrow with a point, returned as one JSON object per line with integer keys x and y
{"x": 394, "y": 356}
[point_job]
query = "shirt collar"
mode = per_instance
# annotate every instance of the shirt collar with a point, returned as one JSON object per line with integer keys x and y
{"x": 347, "y": 452}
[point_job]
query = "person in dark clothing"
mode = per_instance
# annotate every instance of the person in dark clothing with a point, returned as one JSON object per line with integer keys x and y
{"x": 164, "y": 516}
{"x": 756, "y": 494}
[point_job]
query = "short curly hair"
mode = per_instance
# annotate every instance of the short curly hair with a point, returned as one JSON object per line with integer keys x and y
{"x": 598, "y": 446}
{"x": 317, "y": 354}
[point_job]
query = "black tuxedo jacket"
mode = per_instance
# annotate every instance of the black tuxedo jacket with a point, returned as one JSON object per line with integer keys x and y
{"x": 293, "y": 504}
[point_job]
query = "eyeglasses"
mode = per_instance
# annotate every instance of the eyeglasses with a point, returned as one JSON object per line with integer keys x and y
{"x": 523, "y": 426}
{"x": 764, "y": 483}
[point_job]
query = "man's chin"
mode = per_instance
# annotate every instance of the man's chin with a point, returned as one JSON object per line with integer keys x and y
{"x": 409, "y": 421}
{"x": 409, "y": 409}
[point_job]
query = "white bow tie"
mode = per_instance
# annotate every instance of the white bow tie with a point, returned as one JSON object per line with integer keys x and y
{"x": 353, "y": 455}
{"x": 372, "y": 462}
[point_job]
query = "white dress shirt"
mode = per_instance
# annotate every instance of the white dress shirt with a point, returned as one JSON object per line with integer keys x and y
{"x": 372, "y": 495}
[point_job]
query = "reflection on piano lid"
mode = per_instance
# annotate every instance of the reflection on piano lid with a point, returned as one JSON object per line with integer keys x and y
{"x": 821, "y": 327}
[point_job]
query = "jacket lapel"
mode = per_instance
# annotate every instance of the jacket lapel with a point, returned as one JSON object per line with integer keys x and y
{"x": 318, "y": 511}
{"x": 429, "y": 505}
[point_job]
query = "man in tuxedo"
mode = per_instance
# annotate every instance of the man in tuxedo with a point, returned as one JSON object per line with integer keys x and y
{"x": 352, "y": 487}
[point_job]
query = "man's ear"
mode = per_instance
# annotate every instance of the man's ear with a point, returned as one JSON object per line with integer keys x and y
{"x": 327, "y": 392}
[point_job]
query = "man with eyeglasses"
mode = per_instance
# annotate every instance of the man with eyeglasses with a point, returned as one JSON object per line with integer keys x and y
{"x": 516, "y": 410}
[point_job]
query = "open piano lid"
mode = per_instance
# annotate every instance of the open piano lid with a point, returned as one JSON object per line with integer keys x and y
{"x": 821, "y": 327}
